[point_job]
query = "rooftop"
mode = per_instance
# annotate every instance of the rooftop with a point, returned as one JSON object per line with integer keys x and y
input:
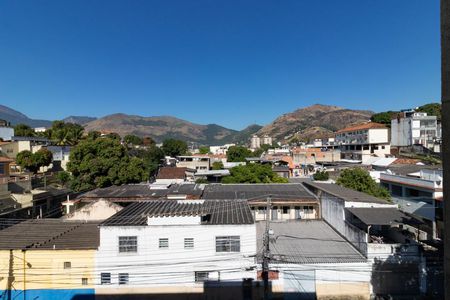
{"x": 171, "y": 173}
{"x": 307, "y": 242}
{"x": 50, "y": 234}
{"x": 363, "y": 126}
{"x": 345, "y": 194}
{"x": 255, "y": 191}
{"x": 214, "y": 212}
{"x": 379, "y": 216}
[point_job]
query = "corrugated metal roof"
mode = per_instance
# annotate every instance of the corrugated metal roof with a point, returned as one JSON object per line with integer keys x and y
{"x": 290, "y": 191}
{"x": 307, "y": 242}
{"x": 50, "y": 234}
{"x": 345, "y": 194}
{"x": 379, "y": 216}
{"x": 215, "y": 212}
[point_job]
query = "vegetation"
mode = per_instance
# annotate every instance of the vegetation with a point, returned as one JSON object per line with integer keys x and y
{"x": 204, "y": 150}
{"x": 384, "y": 117}
{"x": 148, "y": 141}
{"x": 64, "y": 133}
{"x": 134, "y": 140}
{"x": 321, "y": 176}
{"x": 359, "y": 179}
{"x": 103, "y": 162}
{"x": 34, "y": 161}
{"x": 262, "y": 149}
{"x": 201, "y": 181}
{"x": 253, "y": 173}
{"x": 63, "y": 178}
{"x": 217, "y": 165}
{"x": 172, "y": 147}
{"x": 238, "y": 154}
{"x": 432, "y": 109}
{"x": 151, "y": 156}
{"x": 23, "y": 130}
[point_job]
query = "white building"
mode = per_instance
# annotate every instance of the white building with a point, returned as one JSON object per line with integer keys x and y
{"x": 363, "y": 142}
{"x": 220, "y": 150}
{"x": 6, "y": 133}
{"x": 267, "y": 140}
{"x": 416, "y": 128}
{"x": 177, "y": 246}
{"x": 194, "y": 162}
{"x": 255, "y": 142}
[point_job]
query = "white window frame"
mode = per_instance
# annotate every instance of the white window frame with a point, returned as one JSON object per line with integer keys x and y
{"x": 228, "y": 244}
{"x": 127, "y": 244}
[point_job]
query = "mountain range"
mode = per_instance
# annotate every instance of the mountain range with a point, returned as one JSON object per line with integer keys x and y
{"x": 316, "y": 121}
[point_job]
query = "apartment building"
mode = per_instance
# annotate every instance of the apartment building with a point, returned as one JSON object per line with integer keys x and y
{"x": 363, "y": 142}
{"x": 194, "y": 162}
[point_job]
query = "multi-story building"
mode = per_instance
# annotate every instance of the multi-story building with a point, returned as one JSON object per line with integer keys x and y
{"x": 266, "y": 140}
{"x": 412, "y": 128}
{"x": 194, "y": 162}
{"x": 255, "y": 142}
{"x": 220, "y": 150}
{"x": 363, "y": 142}
{"x": 183, "y": 247}
{"x": 6, "y": 132}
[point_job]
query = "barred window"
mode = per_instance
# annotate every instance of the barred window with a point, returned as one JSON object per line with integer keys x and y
{"x": 228, "y": 243}
{"x": 201, "y": 276}
{"x": 123, "y": 278}
{"x": 67, "y": 265}
{"x": 105, "y": 278}
{"x": 84, "y": 281}
{"x": 127, "y": 244}
{"x": 163, "y": 243}
{"x": 188, "y": 243}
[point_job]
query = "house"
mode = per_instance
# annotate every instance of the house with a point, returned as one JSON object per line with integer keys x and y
{"x": 310, "y": 260}
{"x": 61, "y": 156}
{"x": 194, "y": 162}
{"x": 48, "y": 259}
{"x": 172, "y": 175}
{"x": 417, "y": 190}
{"x": 288, "y": 201}
{"x": 363, "y": 141}
{"x": 386, "y": 236}
{"x": 6, "y": 131}
{"x": 309, "y": 156}
{"x": 5, "y": 163}
{"x": 21, "y": 143}
{"x": 412, "y": 128}
{"x": 189, "y": 248}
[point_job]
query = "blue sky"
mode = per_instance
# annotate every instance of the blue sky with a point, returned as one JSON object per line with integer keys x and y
{"x": 227, "y": 62}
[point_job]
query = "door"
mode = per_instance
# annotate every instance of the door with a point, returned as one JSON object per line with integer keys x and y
{"x": 275, "y": 213}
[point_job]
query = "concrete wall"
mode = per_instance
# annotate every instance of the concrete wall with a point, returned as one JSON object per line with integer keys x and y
{"x": 95, "y": 211}
{"x": 42, "y": 275}
{"x": 172, "y": 269}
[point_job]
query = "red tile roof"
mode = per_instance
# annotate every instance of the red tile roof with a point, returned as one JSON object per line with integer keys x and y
{"x": 171, "y": 173}
{"x": 363, "y": 126}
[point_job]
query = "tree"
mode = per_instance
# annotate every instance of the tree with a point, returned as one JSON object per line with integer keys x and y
{"x": 103, "y": 162}
{"x": 63, "y": 178}
{"x": 432, "y": 109}
{"x": 148, "y": 141}
{"x": 92, "y": 135}
{"x": 384, "y": 117}
{"x": 172, "y": 147}
{"x": 261, "y": 150}
{"x": 253, "y": 173}
{"x": 321, "y": 176}
{"x": 204, "y": 150}
{"x": 23, "y": 130}
{"x": 217, "y": 165}
{"x": 62, "y": 133}
{"x": 34, "y": 161}
{"x": 131, "y": 139}
{"x": 151, "y": 156}
{"x": 359, "y": 179}
{"x": 238, "y": 154}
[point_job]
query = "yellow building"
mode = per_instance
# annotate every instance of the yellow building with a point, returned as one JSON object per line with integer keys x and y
{"x": 48, "y": 259}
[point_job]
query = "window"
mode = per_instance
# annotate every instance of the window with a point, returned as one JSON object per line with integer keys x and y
{"x": 67, "y": 265}
{"x": 228, "y": 243}
{"x": 188, "y": 243}
{"x": 123, "y": 278}
{"x": 105, "y": 278}
{"x": 201, "y": 276}
{"x": 127, "y": 244}
{"x": 163, "y": 243}
{"x": 285, "y": 209}
{"x": 309, "y": 209}
{"x": 84, "y": 281}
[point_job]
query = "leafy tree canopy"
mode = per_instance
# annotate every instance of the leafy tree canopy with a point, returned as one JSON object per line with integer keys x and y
{"x": 321, "y": 176}
{"x": 174, "y": 147}
{"x": 151, "y": 156}
{"x": 432, "y": 109}
{"x": 204, "y": 150}
{"x": 62, "y": 133}
{"x": 384, "y": 117}
{"x": 253, "y": 173}
{"x": 217, "y": 165}
{"x": 34, "y": 161}
{"x": 238, "y": 153}
{"x": 103, "y": 162}
{"x": 359, "y": 179}
{"x": 132, "y": 139}
{"x": 23, "y": 130}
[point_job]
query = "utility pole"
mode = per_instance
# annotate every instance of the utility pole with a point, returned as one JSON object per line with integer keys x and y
{"x": 266, "y": 251}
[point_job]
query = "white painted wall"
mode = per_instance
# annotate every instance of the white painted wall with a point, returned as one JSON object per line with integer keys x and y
{"x": 175, "y": 266}
{"x": 378, "y": 135}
